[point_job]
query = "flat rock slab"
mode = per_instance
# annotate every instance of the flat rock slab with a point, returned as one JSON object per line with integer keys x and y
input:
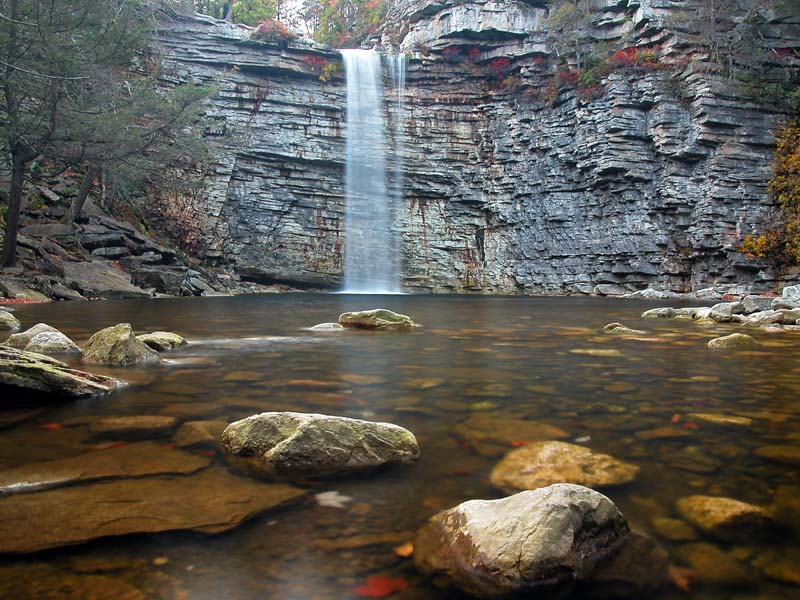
{"x": 130, "y": 460}
{"x": 376, "y": 318}
{"x": 493, "y": 436}
{"x": 544, "y": 463}
{"x": 134, "y": 426}
{"x": 41, "y": 375}
{"x": 786, "y": 454}
{"x": 97, "y": 279}
{"x": 209, "y": 502}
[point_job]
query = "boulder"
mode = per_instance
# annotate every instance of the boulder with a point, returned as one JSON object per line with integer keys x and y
{"x": 659, "y": 313}
{"x": 8, "y": 322}
{"x": 161, "y": 341}
{"x": 96, "y": 279}
{"x": 753, "y": 304}
{"x": 784, "y": 303}
{"x": 134, "y": 426}
{"x": 789, "y": 317}
{"x": 52, "y": 342}
{"x": 21, "y": 339}
{"x": 117, "y": 346}
{"x": 41, "y": 375}
{"x": 378, "y": 318}
{"x": 726, "y": 518}
{"x": 734, "y": 341}
{"x": 287, "y": 445}
{"x": 761, "y": 318}
{"x": 327, "y": 327}
{"x": 620, "y": 329}
{"x": 544, "y": 463}
{"x": 211, "y": 501}
{"x": 532, "y": 543}
{"x": 724, "y": 311}
{"x": 791, "y": 292}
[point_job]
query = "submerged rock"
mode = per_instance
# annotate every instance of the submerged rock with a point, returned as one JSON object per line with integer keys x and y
{"x": 533, "y": 542}
{"x": 161, "y": 341}
{"x": 9, "y": 322}
{"x": 288, "y": 445}
{"x": 620, "y": 329}
{"x": 712, "y": 565}
{"x": 199, "y": 434}
{"x": 782, "y": 453}
{"x": 42, "y": 375}
{"x": 674, "y": 530}
{"x": 377, "y": 318}
{"x": 543, "y": 463}
{"x": 491, "y": 435}
{"x": 130, "y": 460}
{"x": 327, "y": 327}
{"x": 21, "y": 339}
{"x": 134, "y": 426}
{"x": 117, "y": 346}
{"x": 726, "y": 518}
{"x": 38, "y": 580}
{"x": 734, "y": 341}
{"x": 211, "y": 501}
{"x": 52, "y": 342}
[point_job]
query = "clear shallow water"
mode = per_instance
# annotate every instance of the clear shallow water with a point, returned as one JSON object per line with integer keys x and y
{"x": 505, "y": 357}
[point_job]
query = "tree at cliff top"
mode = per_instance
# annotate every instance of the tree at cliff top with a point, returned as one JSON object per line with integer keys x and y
{"x": 568, "y": 25}
{"x": 78, "y": 90}
{"x": 343, "y": 23}
{"x": 247, "y": 12}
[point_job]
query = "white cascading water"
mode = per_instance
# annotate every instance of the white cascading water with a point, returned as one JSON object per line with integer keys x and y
{"x": 371, "y": 248}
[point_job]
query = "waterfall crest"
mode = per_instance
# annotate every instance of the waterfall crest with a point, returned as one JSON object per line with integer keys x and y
{"x": 371, "y": 246}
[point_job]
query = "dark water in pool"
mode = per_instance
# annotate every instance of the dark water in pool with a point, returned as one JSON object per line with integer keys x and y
{"x": 497, "y": 357}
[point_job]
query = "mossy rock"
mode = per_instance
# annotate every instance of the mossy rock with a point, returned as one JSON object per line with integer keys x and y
{"x": 9, "y": 322}
{"x": 620, "y": 329}
{"x": 377, "y": 318}
{"x": 117, "y": 346}
{"x": 161, "y": 341}
{"x": 23, "y": 338}
{"x": 734, "y": 341}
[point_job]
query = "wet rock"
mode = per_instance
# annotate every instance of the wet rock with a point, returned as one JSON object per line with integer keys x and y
{"x": 130, "y": 460}
{"x": 327, "y": 327}
{"x": 754, "y": 304}
{"x": 211, "y": 501}
{"x": 791, "y": 292}
{"x": 378, "y": 318}
{"x": 135, "y": 426}
{"x": 787, "y": 504}
{"x": 724, "y": 312}
{"x": 23, "y": 338}
{"x": 659, "y": 313}
{"x": 40, "y": 375}
{"x": 199, "y": 434}
{"x": 8, "y": 322}
{"x": 29, "y": 581}
{"x": 161, "y": 341}
{"x": 711, "y": 565}
{"x": 782, "y": 453}
{"x": 734, "y": 341}
{"x": 674, "y": 530}
{"x": 662, "y": 433}
{"x": 638, "y": 569}
{"x": 694, "y": 458}
{"x": 52, "y": 342}
{"x": 117, "y": 346}
{"x": 719, "y": 419}
{"x": 779, "y": 564}
{"x": 620, "y": 329}
{"x": 694, "y": 313}
{"x": 491, "y": 435}
{"x": 540, "y": 464}
{"x": 287, "y": 445}
{"x": 726, "y": 518}
{"x": 536, "y": 541}
{"x": 784, "y": 303}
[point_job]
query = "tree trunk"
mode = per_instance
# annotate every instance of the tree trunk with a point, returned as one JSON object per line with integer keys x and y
{"x": 77, "y": 203}
{"x": 228, "y": 11}
{"x": 12, "y": 215}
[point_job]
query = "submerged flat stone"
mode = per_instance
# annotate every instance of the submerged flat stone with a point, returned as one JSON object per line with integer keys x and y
{"x": 130, "y": 460}
{"x": 133, "y": 426}
{"x": 726, "y": 518}
{"x": 491, "y": 435}
{"x": 210, "y": 502}
{"x": 544, "y": 463}
{"x": 42, "y": 375}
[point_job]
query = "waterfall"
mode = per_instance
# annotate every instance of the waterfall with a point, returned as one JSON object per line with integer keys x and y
{"x": 371, "y": 245}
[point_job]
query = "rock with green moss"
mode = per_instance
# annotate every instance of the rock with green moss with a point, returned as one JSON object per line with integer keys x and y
{"x": 161, "y": 341}
{"x": 660, "y": 313}
{"x": 377, "y": 318}
{"x": 8, "y": 322}
{"x": 23, "y": 338}
{"x": 117, "y": 346}
{"x": 533, "y": 544}
{"x": 734, "y": 341}
{"x": 620, "y": 329}
{"x": 288, "y": 445}
{"x": 26, "y": 373}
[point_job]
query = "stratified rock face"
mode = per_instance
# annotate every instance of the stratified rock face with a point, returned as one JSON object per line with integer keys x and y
{"x": 40, "y": 375}
{"x": 117, "y": 346}
{"x": 377, "y": 318}
{"x": 534, "y": 541}
{"x": 285, "y": 445}
{"x": 543, "y": 463}
{"x": 650, "y": 184}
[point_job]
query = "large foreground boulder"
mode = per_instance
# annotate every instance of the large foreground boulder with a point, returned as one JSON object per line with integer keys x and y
{"x": 535, "y": 542}
{"x": 540, "y": 464}
{"x": 377, "y": 318}
{"x": 41, "y": 375}
{"x": 117, "y": 346}
{"x": 288, "y": 445}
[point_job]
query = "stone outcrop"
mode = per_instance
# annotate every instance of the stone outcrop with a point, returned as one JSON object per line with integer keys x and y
{"x": 117, "y": 346}
{"x": 653, "y": 183}
{"x": 285, "y": 445}
{"x": 377, "y": 318}
{"x": 535, "y": 542}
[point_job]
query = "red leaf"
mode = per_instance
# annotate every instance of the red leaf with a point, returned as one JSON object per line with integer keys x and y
{"x": 116, "y": 445}
{"x": 51, "y": 426}
{"x": 691, "y": 425}
{"x": 380, "y": 586}
{"x": 519, "y": 443}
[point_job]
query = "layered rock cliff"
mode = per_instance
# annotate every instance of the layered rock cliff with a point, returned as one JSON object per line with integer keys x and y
{"x": 651, "y": 181}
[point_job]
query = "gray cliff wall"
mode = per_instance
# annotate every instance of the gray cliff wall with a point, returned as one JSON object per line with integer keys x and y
{"x": 652, "y": 184}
